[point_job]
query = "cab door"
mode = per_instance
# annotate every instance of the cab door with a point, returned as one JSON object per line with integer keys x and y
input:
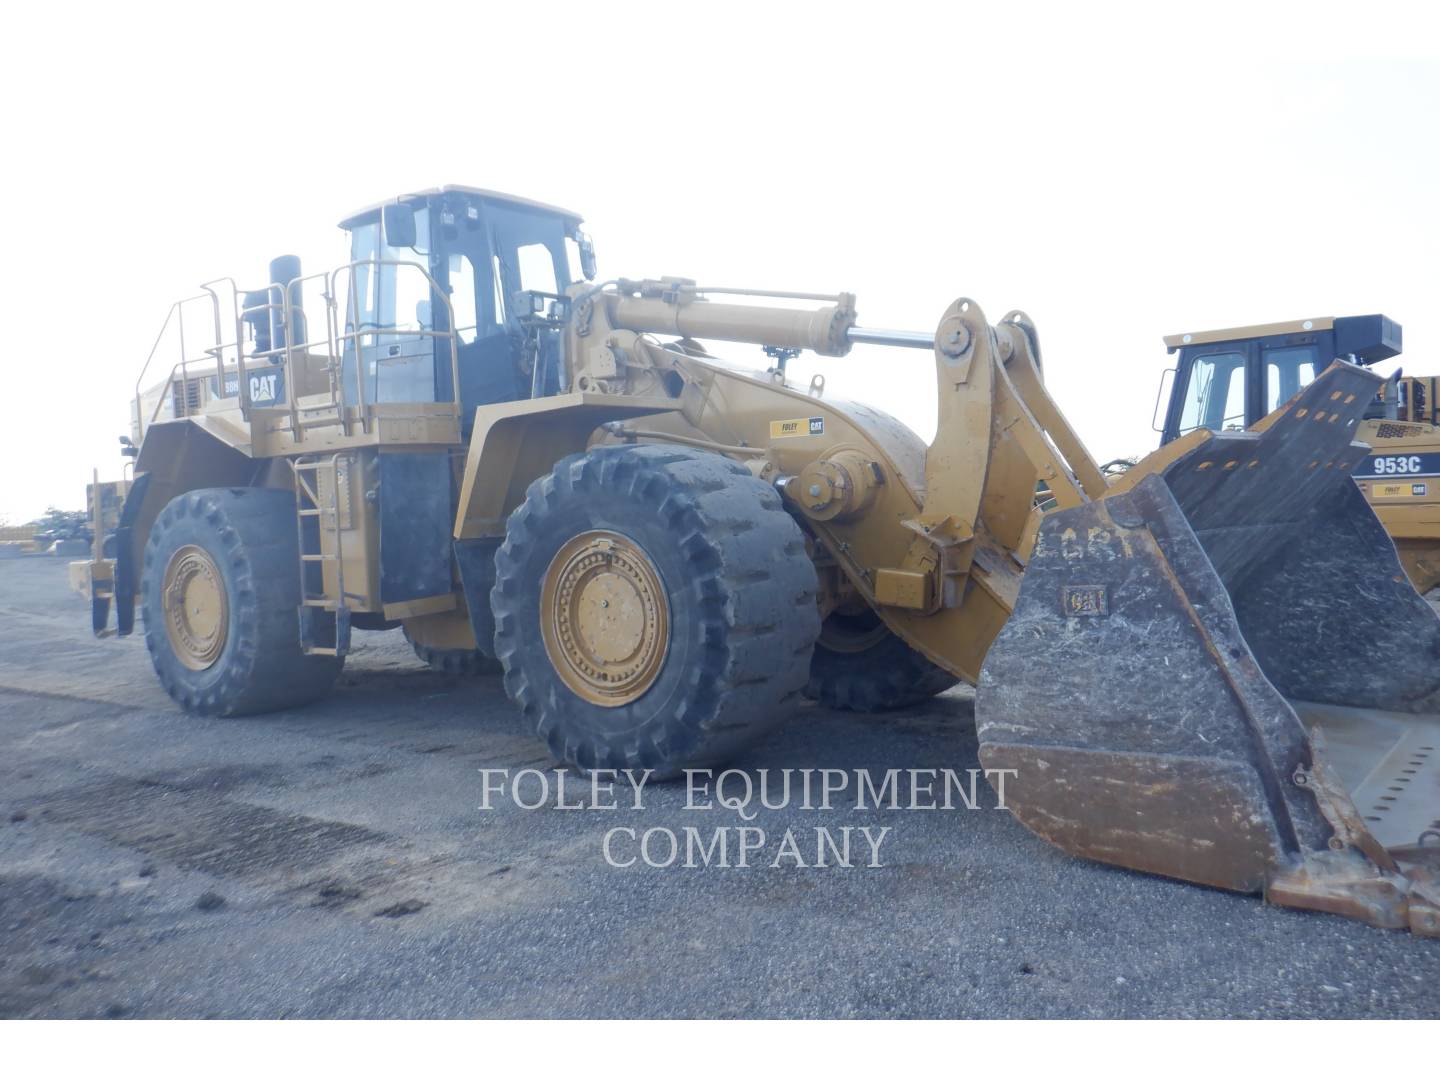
{"x": 1214, "y": 388}
{"x": 1286, "y": 366}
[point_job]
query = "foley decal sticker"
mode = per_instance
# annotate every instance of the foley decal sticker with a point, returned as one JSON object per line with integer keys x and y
{"x": 1393, "y": 491}
{"x": 790, "y": 429}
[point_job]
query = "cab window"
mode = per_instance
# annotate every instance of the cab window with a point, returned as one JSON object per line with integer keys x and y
{"x": 388, "y": 296}
{"x": 405, "y": 303}
{"x": 537, "y": 269}
{"x": 462, "y": 296}
{"x": 360, "y": 301}
{"x": 1215, "y": 394}
{"x": 1287, "y": 372}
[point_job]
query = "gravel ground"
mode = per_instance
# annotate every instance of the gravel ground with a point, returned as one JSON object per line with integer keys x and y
{"x": 336, "y": 862}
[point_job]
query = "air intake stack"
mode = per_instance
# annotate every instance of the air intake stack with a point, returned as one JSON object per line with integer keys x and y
{"x": 285, "y": 273}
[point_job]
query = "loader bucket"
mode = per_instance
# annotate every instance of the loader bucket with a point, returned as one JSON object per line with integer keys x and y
{"x": 1222, "y": 674}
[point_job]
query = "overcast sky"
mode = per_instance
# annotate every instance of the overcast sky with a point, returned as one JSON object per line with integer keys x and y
{"x": 1120, "y": 172}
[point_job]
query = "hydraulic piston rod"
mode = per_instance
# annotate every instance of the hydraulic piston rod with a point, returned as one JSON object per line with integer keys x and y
{"x": 904, "y": 339}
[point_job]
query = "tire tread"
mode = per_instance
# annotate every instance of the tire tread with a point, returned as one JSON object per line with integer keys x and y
{"x": 252, "y": 536}
{"x": 756, "y": 613}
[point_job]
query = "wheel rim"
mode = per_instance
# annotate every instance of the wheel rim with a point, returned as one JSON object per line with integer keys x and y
{"x": 843, "y": 632}
{"x": 197, "y": 611}
{"x": 605, "y": 618}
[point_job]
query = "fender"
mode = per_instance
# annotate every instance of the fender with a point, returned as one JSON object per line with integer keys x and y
{"x": 176, "y": 456}
{"x": 515, "y": 443}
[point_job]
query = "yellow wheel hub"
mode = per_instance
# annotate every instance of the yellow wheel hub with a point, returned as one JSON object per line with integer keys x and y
{"x": 197, "y": 612}
{"x": 605, "y": 618}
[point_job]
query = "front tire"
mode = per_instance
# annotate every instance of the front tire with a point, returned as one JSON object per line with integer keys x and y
{"x": 654, "y": 609}
{"x": 221, "y": 593}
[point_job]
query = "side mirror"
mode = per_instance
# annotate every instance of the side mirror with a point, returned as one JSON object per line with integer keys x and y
{"x": 399, "y": 221}
{"x": 587, "y": 255}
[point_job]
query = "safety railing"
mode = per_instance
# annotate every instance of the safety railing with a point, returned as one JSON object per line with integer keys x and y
{"x": 284, "y": 309}
{"x": 354, "y": 335}
{"x": 175, "y": 316}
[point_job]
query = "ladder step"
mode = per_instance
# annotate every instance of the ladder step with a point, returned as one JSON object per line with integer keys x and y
{"x": 329, "y": 517}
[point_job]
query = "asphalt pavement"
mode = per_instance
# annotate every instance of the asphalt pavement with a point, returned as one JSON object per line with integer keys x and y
{"x": 339, "y": 861}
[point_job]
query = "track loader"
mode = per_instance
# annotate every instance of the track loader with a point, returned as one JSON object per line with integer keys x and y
{"x": 1234, "y": 378}
{"x": 462, "y": 433}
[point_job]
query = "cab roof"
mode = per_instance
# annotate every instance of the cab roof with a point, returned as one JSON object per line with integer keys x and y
{"x": 460, "y": 189}
{"x": 1368, "y": 338}
{"x": 1243, "y": 333}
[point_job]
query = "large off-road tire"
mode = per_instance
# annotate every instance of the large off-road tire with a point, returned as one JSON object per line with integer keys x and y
{"x": 462, "y": 662}
{"x": 221, "y": 593}
{"x": 654, "y": 609}
{"x": 862, "y": 666}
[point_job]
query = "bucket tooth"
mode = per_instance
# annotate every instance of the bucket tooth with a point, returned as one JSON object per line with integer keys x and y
{"x": 1219, "y": 673}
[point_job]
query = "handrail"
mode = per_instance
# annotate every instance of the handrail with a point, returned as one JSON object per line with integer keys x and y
{"x": 161, "y": 336}
{"x": 354, "y": 335}
{"x": 217, "y": 351}
{"x": 220, "y": 346}
{"x": 168, "y": 394}
{"x": 289, "y": 302}
{"x": 287, "y": 316}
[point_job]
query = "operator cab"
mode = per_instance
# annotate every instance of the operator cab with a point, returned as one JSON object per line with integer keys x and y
{"x": 1226, "y": 380}
{"x": 501, "y": 262}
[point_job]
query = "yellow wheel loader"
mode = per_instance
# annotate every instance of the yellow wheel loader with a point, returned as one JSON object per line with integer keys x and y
{"x": 1234, "y": 378}
{"x": 1213, "y": 670}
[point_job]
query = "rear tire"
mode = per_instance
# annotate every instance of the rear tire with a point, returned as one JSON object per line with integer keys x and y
{"x": 221, "y": 595}
{"x": 861, "y": 666}
{"x": 459, "y": 662}
{"x": 709, "y": 609}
